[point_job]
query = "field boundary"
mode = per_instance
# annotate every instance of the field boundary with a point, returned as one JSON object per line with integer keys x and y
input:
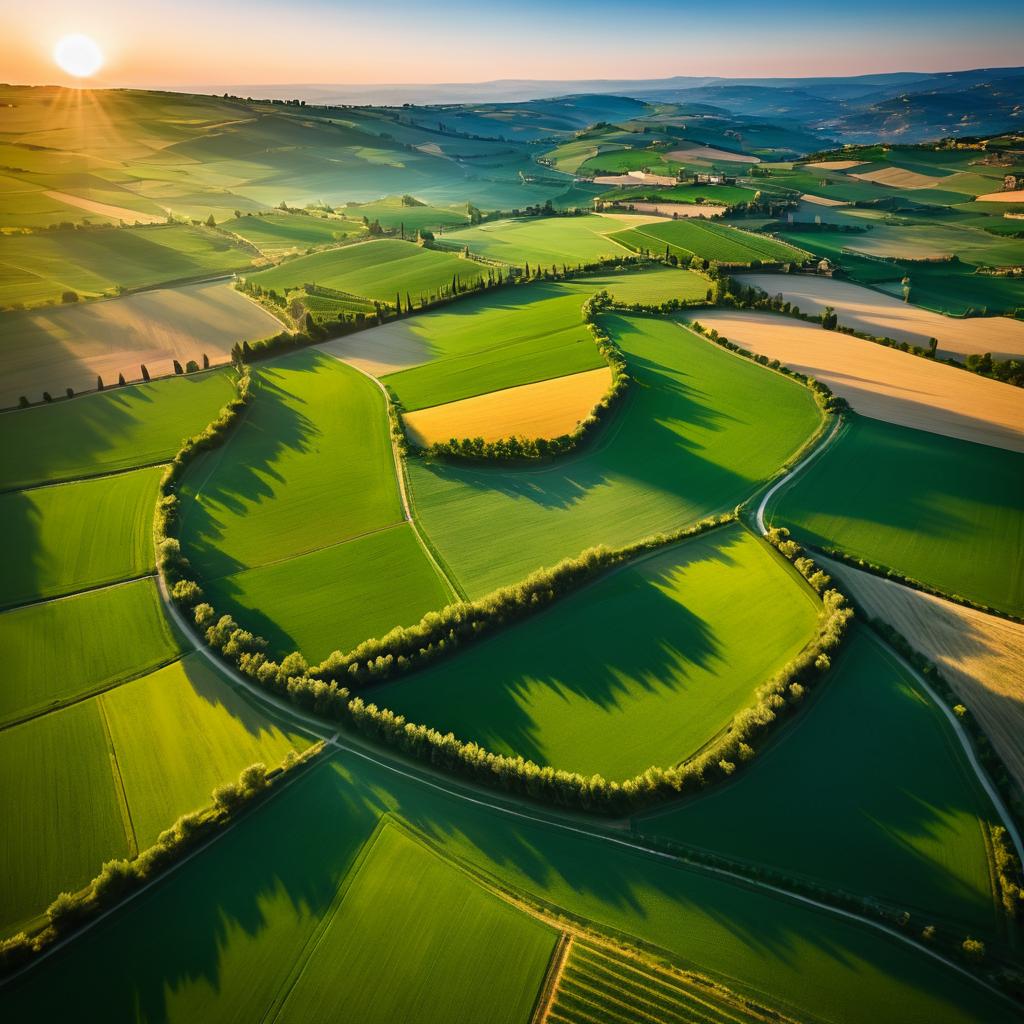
{"x": 122, "y": 796}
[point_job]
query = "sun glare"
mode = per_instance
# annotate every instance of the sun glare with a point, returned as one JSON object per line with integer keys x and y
{"x": 78, "y": 55}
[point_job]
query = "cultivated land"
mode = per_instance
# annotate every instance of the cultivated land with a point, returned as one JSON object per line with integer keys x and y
{"x": 882, "y": 382}
{"x": 941, "y": 511}
{"x": 623, "y": 703}
{"x": 979, "y": 655}
{"x": 282, "y": 234}
{"x": 696, "y": 434}
{"x": 547, "y": 409}
{"x": 69, "y": 346}
{"x": 908, "y": 829}
{"x": 689, "y": 238}
{"x": 710, "y": 154}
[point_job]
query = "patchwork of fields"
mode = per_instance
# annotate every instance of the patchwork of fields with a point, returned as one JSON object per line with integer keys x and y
{"x": 710, "y": 241}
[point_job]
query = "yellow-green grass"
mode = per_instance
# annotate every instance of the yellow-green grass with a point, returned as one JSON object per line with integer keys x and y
{"x": 257, "y": 896}
{"x": 66, "y": 537}
{"x": 58, "y": 651}
{"x": 652, "y": 286}
{"x": 548, "y": 241}
{"x": 495, "y": 341}
{"x": 278, "y": 234}
{"x": 676, "y": 645}
{"x": 180, "y": 732}
{"x": 377, "y": 270}
{"x": 39, "y": 268}
{"x": 870, "y": 793}
{"x": 414, "y": 938}
{"x": 335, "y": 597}
{"x": 943, "y": 511}
{"x": 392, "y": 213}
{"x": 116, "y": 429}
{"x": 691, "y": 237}
{"x": 699, "y": 431}
{"x": 716, "y": 195}
{"x": 60, "y": 807}
{"x": 309, "y": 465}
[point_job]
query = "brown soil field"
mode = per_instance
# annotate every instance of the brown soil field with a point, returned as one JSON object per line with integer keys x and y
{"x": 58, "y": 347}
{"x": 696, "y": 152}
{"x": 981, "y": 656}
{"x": 881, "y": 382}
{"x": 635, "y": 178}
{"x": 835, "y": 165}
{"x": 106, "y": 210}
{"x": 886, "y": 316}
{"x": 822, "y": 201}
{"x": 548, "y": 408}
{"x": 385, "y": 349}
{"x": 679, "y": 209}
{"x": 897, "y": 177}
{"x": 1002, "y": 197}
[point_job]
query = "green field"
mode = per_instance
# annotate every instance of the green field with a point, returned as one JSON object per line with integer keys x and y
{"x": 697, "y": 433}
{"x": 678, "y": 643}
{"x": 116, "y": 429}
{"x": 38, "y": 268}
{"x": 57, "y": 539}
{"x": 375, "y": 270}
{"x": 178, "y": 733}
{"x": 278, "y": 234}
{"x": 692, "y": 237}
{"x": 59, "y": 650}
{"x": 544, "y": 240}
{"x": 937, "y": 509}
{"x": 713, "y": 195}
{"x": 870, "y": 793}
{"x": 393, "y": 214}
{"x": 652, "y": 285}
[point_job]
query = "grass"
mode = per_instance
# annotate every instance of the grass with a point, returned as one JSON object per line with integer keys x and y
{"x": 59, "y": 539}
{"x": 940, "y": 510}
{"x": 280, "y": 234}
{"x": 713, "y": 195}
{"x": 870, "y": 793}
{"x": 697, "y": 433}
{"x": 375, "y": 270}
{"x": 310, "y": 465}
{"x": 678, "y": 643}
{"x": 60, "y": 650}
{"x": 181, "y": 731}
{"x": 688, "y": 238}
{"x": 38, "y": 268}
{"x": 256, "y": 897}
{"x": 335, "y": 597}
{"x": 415, "y": 938}
{"x": 113, "y": 430}
{"x": 60, "y": 808}
{"x": 652, "y": 286}
{"x": 394, "y": 214}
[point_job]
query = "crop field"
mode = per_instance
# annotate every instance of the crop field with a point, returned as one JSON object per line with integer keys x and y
{"x": 684, "y": 194}
{"x": 936, "y": 509}
{"x": 906, "y": 831}
{"x": 60, "y": 650}
{"x": 375, "y": 270}
{"x": 652, "y": 286}
{"x": 546, "y": 409}
{"x": 37, "y": 269}
{"x": 880, "y": 382}
{"x": 67, "y": 537}
{"x": 622, "y": 703}
{"x": 281, "y": 234}
{"x": 118, "y": 429}
{"x": 393, "y": 213}
{"x": 699, "y": 431}
{"x": 688, "y": 238}
{"x": 70, "y": 346}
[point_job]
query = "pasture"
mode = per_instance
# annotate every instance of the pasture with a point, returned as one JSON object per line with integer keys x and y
{"x": 546, "y": 409}
{"x": 879, "y": 799}
{"x": 59, "y": 651}
{"x": 936, "y": 509}
{"x": 282, "y": 234}
{"x": 688, "y": 238}
{"x": 69, "y": 346}
{"x": 377, "y": 270}
{"x": 394, "y": 212}
{"x": 58, "y": 539}
{"x": 684, "y": 194}
{"x": 624, "y": 701}
{"x": 699, "y": 431}
{"x": 114, "y": 430}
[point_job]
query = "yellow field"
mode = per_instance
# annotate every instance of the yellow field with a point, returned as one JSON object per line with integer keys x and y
{"x": 979, "y": 655}
{"x": 1003, "y": 197}
{"x": 549, "y": 408}
{"x": 57, "y": 347}
{"x": 835, "y": 165}
{"x": 107, "y": 210}
{"x": 694, "y": 152}
{"x": 897, "y": 177}
{"x": 634, "y": 178}
{"x": 887, "y": 316}
{"x": 822, "y": 201}
{"x": 881, "y": 382}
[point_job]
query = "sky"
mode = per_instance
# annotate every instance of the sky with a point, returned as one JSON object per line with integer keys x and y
{"x": 220, "y": 43}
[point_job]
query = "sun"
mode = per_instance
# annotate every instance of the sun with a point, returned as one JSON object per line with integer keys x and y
{"x": 78, "y": 55}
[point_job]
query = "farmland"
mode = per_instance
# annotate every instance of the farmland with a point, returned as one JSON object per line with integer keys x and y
{"x": 622, "y": 704}
{"x": 936, "y": 509}
{"x": 680, "y": 447}
{"x": 689, "y": 238}
{"x": 282, "y": 234}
